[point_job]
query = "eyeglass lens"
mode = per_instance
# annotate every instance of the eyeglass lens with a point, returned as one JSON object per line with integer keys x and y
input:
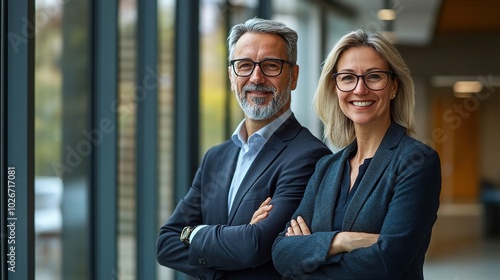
{"x": 374, "y": 80}
{"x": 269, "y": 67}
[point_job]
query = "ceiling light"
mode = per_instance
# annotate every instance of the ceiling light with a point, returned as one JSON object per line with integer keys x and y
{"x": 467, "y": 87}
{"x": 386, "y": 14}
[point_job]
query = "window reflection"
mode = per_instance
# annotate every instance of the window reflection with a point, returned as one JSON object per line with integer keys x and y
{"x": 62, "y": 113}
{"x": 212, "y": 83}
{"x": 127, "y": 24}
{"x": 76, "y": 115}
{"x": 219, "y": 112}
{"x": 48, "y": 186}
{"x": 165, "y": 118}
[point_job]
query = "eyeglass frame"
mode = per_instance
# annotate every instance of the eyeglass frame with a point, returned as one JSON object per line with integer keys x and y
{"x": 389, "y": 73}
{"x": 283, "y": 61}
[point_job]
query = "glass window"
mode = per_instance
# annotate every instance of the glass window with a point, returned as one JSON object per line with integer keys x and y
{"x": 215, "y": 97}
{"x": 48, "y": 140}
{"x": 62, "y": 162}
{"x": 127, "y": 49}
{"x": 166, "y": 23}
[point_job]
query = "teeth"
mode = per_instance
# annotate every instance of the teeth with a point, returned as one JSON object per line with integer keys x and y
{"x": 363, "y": 103}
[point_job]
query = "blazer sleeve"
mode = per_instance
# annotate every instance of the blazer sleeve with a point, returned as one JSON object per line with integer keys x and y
{"x": 171, "y": 252}
{"x": 243, "y": 246}
{"x": 404, "y": 236}
{"x": 407, "y": 226}
{"x": 299, "y": 255}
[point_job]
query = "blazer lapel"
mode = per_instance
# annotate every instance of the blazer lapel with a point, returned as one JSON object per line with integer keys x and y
{"x": 374, "y": 171}
{"x": 227, "y": 164}
{"x": 329, "y": 193}
{"x": 380, "y": 161}
{"x": 266, "y": 156}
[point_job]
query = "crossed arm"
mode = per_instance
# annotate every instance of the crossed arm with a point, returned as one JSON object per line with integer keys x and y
{"x": 342, "y": 242}
{"x": 397, "y": 242}
{"x": 263, "y": 211}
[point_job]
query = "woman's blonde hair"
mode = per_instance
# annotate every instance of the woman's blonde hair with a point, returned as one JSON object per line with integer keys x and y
{"x": 337, "y": 127}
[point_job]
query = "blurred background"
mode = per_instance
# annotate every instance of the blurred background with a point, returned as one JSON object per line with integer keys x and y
{"x": 108, "y": 172}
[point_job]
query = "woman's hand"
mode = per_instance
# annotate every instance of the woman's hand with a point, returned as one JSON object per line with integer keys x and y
{"x": 298, "y": 227}
{"x": 262, "y": 212}
{"x": 347, "y": 241}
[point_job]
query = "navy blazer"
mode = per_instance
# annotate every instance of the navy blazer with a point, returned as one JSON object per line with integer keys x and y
{"x": 398, "y": 198}
{"x": 230, "y": 248}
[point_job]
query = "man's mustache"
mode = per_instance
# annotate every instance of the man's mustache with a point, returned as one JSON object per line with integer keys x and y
{"x": 253, "y": 87}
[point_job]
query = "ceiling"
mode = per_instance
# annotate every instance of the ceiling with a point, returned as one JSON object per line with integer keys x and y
{"x": 418, "y": 22}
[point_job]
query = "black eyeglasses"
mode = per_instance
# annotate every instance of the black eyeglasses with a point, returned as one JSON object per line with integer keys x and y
{"x": 270, "y": 67}
{"x": 375, "y": 80}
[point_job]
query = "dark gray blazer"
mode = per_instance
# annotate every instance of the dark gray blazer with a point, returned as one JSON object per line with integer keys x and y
{"x": 230, "y": 248}
{"x": 398, "y": 197}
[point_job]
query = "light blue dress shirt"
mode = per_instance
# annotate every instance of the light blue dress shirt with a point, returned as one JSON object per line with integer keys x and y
{"x": 248, "y": 152}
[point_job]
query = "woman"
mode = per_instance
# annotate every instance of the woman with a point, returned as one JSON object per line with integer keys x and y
{"x": 369, "y": 209}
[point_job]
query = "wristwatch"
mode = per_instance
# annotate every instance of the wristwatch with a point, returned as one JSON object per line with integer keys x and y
{"x": 186, "y": 233}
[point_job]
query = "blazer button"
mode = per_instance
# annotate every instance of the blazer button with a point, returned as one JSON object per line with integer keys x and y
{"x": 202, "y": 261}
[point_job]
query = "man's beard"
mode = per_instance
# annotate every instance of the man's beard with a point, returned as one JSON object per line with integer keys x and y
{"x": 257, "y": 111}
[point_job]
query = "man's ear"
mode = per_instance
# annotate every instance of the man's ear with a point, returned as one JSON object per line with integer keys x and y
{"x": 295, "y": 77}
{"x": 231, "y": 78}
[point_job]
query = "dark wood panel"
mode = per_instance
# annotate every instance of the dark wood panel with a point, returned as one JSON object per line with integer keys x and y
{"x": 466, "y": 16}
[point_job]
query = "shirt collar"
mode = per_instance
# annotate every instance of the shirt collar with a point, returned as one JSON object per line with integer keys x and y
{"x": 240, "y": 132}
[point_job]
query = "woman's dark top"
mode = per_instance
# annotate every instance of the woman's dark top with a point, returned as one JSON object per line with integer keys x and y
{"x": 345, "y": 195}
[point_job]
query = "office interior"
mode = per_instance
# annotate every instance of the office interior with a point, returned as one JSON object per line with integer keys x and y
{"x": 107, "y": 107}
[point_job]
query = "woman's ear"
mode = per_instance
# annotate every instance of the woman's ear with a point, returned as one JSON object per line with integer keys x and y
{"x": 394, "y": 89}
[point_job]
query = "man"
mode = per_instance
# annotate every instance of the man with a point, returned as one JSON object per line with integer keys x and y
{"x": 247, "y": 188}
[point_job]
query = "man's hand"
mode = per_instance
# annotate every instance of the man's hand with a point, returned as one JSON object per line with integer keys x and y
{"x": 262, "y": 212}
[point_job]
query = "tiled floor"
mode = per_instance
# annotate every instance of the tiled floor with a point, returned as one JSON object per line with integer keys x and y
{"x": 458, "y": 248}
{"x": 473, "y": 262}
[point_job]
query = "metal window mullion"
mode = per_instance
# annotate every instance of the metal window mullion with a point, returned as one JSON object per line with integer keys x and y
{"x": 186, "y": 92}
{"x": 3, "y": 138}
{"x": 147, "y": 161}
{"x": 104, "y": 138}
{"x": 265, "y": 9}
{"x": 19, "y": 138}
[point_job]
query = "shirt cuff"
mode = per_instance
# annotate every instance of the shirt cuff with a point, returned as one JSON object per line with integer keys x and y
{"x": 194, "y": 232}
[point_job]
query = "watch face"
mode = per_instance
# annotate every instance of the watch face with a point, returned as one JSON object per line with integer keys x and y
{"x": 183, "y": 233}
{"x": 186, "y": 231}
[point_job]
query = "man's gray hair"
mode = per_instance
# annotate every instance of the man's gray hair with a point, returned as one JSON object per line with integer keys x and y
{"x": 258, "y": 25}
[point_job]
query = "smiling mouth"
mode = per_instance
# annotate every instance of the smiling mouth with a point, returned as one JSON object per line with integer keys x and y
{"x": 362, "y": 103}
{"x": 259, "y": 93}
